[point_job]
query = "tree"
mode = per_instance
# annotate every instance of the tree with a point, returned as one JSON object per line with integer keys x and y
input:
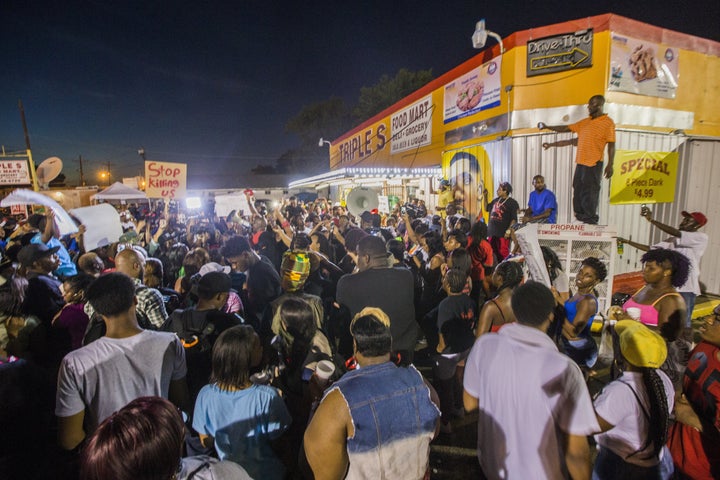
{"x": 387, "y": 91}
{"x": 328, "y": 119}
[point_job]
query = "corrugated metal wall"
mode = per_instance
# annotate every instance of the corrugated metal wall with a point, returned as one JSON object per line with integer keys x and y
{"x": 520, "y": 158}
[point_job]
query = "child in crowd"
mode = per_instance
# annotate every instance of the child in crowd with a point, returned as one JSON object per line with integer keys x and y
{"x": 239, "y": 418}
{"x": 457, "y": 314}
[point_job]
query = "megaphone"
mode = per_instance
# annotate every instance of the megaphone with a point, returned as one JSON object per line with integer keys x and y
{"x": 361, "y": 199}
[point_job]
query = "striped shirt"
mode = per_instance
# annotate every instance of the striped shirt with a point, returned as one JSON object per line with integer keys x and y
{"x": 593, "y": 134}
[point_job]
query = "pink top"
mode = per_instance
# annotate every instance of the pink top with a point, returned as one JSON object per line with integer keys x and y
{"x": 648, "y": 313}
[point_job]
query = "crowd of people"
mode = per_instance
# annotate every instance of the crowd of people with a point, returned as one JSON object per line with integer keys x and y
{"x": 283, "y": 343}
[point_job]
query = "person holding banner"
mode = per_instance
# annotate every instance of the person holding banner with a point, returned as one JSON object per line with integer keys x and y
{"x": 593, "y": 133}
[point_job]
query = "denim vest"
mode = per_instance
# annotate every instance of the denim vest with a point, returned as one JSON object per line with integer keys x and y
{"x": 394, "y": 421}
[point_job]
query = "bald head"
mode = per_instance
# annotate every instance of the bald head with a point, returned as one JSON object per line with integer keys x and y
{"x": 91, "y": 264}
{"x": 131, "y": 263}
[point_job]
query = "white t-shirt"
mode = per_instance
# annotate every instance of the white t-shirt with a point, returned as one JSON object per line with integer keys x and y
{"x": 619, "y": 407}
{"x": 527, "y": 393}
{"x": 692, "y": 245}
{"x": 109, "y": 373}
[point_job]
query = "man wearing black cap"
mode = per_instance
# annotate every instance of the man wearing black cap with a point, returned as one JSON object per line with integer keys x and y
{"x": 43, "y": 297}
{"x": 198, "y": 327}
{"x": 48, "y": 234}
{"x": 687, "y": 240}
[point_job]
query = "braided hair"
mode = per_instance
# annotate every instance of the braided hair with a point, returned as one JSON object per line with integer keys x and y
{"x": 511, "y": 273}
{"x": 659, "y": 420}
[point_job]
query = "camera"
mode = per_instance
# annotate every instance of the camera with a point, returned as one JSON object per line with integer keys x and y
{"x": 410, "y": 210}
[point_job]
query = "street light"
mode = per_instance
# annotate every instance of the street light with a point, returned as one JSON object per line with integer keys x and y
{"x": 323, "y": 142}
{"x": 480, "y": 36}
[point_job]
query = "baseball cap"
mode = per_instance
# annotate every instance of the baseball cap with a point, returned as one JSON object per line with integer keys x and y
{"x": 213, "y": 267}
{"x": 213, "y": 283}
{"x": 34, "y": 252}
{"x": 639, "y": 345}
{"x": 699, "y": 217}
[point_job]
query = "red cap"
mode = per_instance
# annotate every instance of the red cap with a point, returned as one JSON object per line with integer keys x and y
{"x": 699, "y": 217}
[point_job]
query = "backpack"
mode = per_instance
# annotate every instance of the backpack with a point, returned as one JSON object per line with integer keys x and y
{"x": 198, "y": 339}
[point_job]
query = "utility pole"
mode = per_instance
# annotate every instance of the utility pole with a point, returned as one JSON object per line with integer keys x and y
{"x": 108, "y": 171}
{"x": 82, "y": 177}
{"x": 33, "y": 174}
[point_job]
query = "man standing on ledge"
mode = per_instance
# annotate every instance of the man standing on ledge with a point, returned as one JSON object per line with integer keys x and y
{"x": 593, "y": 133}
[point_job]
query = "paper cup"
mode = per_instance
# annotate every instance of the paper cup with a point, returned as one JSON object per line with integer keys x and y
{"x": 634, "y": 312}
{"x": 324, "y": 369}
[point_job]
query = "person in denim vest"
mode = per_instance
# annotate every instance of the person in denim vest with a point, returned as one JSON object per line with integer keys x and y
{"x": 376, "y": 421}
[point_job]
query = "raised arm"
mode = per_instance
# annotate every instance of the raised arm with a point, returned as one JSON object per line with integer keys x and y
{"x": 647, "y": 213}
{"x": 554, "y": 128}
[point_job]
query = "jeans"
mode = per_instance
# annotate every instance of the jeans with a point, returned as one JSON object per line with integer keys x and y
{"x": 586, "y": 192}
{"x": 609, "y": 466}
{"x": 689, "y": 298}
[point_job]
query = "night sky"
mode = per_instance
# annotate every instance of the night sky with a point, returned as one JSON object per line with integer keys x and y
{"x": 212, "y": 84}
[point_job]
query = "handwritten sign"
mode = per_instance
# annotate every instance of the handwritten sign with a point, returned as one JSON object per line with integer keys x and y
{"x": 643, "y": 177}
{"x": 165, "y": 180}
{"x": 567, "y": 51}
{"x": 14, "y": 172}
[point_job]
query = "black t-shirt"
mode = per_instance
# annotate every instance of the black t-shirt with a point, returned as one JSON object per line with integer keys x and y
{"x": 503, "y": 214}
{"x": 456, "y": 306}
{"x": 263, "y": 286}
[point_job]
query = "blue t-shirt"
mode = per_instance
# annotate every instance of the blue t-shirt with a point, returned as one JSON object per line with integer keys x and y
{"x": 541, "y": 201}
{"x": 243, "y": 423}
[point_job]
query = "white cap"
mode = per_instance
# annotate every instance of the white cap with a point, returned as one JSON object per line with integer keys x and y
{"x": 213, "y": 267}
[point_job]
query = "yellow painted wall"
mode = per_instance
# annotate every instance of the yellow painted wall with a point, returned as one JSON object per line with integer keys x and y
{"x": 698, "y": 91}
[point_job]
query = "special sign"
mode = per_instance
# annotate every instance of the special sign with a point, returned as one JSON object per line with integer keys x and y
{"x": 165, "y": 180}
{"x": 643, "y": 177}
{"x": 559, "y": 53}
{"x": 412, "y": 126}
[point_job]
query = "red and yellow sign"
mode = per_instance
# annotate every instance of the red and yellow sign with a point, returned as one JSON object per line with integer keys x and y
{"x": 643, "y": 177}
{"x": 165, "y": 180}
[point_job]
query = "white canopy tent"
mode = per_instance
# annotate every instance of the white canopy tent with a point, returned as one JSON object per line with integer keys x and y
{"x": 117, "y": 192}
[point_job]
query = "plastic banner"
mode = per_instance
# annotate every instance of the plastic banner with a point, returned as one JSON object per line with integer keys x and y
{"x": 642, "y": 67}
{"x": 65, "y": 224}
{"x": 469, "y": 172}
{"x": 477, "y": 90}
